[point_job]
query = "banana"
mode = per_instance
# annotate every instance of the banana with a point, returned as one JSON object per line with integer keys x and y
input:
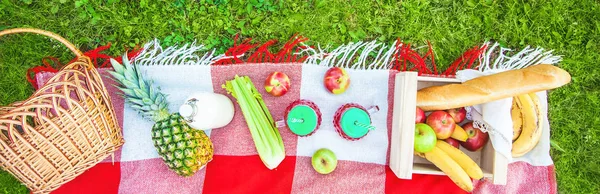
{"x": 443, "y": 161}
{"x": 465, "y": 162}
{"x": 532, "y": 125}
{"x": 459, "y": 133}
{"x": 517, "y": 118}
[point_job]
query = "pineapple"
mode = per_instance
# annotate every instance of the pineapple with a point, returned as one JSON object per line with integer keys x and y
{"x": 184, "y": 149}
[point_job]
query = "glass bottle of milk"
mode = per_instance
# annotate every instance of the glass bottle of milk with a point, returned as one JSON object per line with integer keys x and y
{"x": 207, "y": 110}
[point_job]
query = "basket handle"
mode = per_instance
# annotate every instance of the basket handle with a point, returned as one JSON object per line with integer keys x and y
{"x": 69, "y": 45}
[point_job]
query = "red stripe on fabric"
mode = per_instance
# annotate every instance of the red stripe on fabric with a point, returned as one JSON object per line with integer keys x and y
{"x": 521, "y": 178}
{"x": 102, "y": 179}
{"x": 420, "y": 184}
{"x": 248, "y": 174}
{"x": 153, "y": 176}
{"x": 552, "y": 179}
{"x": 348, "y": 177}
{"x": 235, "y": 138}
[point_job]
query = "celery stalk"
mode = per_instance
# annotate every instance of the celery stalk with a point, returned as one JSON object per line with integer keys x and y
{"x": 264, "y": 123}
{"x": 265, "y": 135}
{"x": 264, "y": 126}
{"x": 258, "y": 117}
{"x": 252, "y": 118}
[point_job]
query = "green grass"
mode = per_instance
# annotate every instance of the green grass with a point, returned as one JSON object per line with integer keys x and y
{"x": 571, "y": 28}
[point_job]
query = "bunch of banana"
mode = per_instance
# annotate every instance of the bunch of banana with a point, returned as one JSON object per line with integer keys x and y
{"x": 454, "y": 163}
{"x": 527, "y": 123}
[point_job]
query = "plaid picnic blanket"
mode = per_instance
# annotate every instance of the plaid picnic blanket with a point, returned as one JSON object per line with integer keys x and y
{"x": 236, "y": 167}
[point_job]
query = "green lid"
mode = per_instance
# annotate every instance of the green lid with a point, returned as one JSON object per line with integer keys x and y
{"x": 351, "y": 122}
{"x": 302, "y": 120}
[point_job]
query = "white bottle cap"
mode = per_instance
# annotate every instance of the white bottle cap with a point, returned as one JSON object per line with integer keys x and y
{"x": 186, "y": 110}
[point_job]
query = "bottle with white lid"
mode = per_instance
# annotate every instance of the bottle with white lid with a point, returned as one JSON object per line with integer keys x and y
{"x": 207, "y": 110}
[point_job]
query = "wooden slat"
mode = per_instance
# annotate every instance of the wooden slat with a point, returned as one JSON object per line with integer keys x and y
{"x": 405, "y": 100}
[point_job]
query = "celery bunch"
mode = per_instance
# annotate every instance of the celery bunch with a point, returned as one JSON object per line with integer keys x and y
{"x": 265, "y": 134}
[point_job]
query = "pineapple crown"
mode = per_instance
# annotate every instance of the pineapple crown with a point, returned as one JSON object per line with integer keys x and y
{"x": 142, "y": 96}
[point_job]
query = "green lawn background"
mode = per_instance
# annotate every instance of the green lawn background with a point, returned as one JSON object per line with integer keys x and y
{"x": 571, "y": 28}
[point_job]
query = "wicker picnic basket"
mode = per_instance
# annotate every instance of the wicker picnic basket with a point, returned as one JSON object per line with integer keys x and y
{"x": 67, "y": 126}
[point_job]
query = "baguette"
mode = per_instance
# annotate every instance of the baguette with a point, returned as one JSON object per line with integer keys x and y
{"x": 492, "y": 87}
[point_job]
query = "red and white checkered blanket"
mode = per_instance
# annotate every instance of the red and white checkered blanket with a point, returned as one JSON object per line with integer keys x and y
{"x": 236, "y": 167}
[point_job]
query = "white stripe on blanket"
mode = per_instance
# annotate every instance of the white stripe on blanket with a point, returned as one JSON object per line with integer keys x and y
{"x": 177, "y": 82}
{"x": 367, "y": 88}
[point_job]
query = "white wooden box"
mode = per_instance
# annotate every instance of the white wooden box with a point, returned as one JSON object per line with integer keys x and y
{"x": 403, "y": 162}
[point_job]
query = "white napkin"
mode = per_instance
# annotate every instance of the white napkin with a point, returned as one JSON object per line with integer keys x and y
{"x": 495, "y": 118}
{"x": 492, "y": 117}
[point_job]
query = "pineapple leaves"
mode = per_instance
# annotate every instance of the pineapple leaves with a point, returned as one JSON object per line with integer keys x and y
{"x": 140, "y": 93}
{"x": 142, "y": 83}
{"x": 125, "y": 60}
{"x": 128, "y": 84}
{"x": 151, "y": 90}
{"x": 127, "y": 92}
{"x": 117, "y": 76}
{"x": 147, "y": 101}
{"x": 145, "y": 98}
{"x": 159, "y": 99}
{"x": 116, "y": 66}
{"x": 131, "y": 75}
{"x": 136, "y": 101}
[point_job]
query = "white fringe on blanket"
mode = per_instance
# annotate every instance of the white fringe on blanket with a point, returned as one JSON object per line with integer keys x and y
{"x": 154, "y": 54}
{"x": 346, "y": 56}
{"x": 525, "y": 58}
{"x": 372, "y": 55}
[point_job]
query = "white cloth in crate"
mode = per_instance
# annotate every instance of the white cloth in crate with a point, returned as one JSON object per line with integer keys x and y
{"x": 495, "y": 119}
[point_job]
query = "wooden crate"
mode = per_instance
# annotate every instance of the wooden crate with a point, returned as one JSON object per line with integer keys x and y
{"x": 403, "y": 162}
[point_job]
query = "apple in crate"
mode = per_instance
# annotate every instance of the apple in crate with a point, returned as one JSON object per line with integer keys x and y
{"x": 453, "y": 142}
{"x": 420, "y": 116}
{"x": 458, "y": 114}
{"x": 477, "y": 138}
{"x": 324, "y": 161}
{"x": 336, "y": 80}
{"x": 442, "y": 123}
{"x": 425, "y": 138}
{"x": 277, "y": 83}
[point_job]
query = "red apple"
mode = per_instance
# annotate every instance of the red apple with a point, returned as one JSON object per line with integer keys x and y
{"x": 458, "y": 114}
{"x": 336, "y": 80}
{"x": 452, "y": 142}
{"x": 277, "y": 83}
{"x": 442, "y": 123}
{"x": 420, "y": 116}
{"x": 477, "y": 139}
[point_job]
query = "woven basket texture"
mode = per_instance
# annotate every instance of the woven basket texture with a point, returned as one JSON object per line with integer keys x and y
{"x": 66, "y": 127}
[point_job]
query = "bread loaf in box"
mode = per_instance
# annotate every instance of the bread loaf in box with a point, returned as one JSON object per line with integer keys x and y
{"x": 492, "y": 87}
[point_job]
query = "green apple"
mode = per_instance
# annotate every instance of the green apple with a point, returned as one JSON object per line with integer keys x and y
{"x": 425, "y": 138}
{"x": 324, "y": 161}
